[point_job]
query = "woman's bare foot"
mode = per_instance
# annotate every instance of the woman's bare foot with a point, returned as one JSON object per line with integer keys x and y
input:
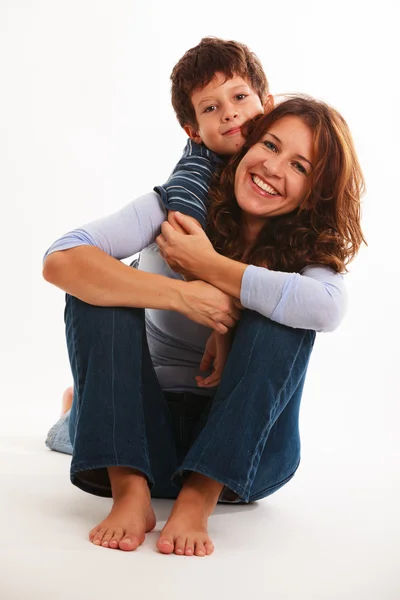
{"x": 185, "y": 532}
{"x": 67, "y": 400}
{"x": 131, "y": 515}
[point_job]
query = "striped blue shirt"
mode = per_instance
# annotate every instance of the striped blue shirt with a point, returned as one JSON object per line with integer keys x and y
{"x": 187, "y": 187}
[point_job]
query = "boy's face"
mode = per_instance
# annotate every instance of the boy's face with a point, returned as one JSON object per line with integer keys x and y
{"x": 221, "y": 107}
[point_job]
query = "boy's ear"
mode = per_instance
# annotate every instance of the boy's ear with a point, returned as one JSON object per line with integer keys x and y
{"x": 193, "y": 134}
{"x": 269, "y": 103}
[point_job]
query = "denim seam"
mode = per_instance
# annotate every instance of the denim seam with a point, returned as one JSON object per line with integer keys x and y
{"x": 225, "y": 408}
{"x": 113, "y": 382}
{"x": 78, "y": 391}
{"x": 253, "y": 469}
{"x": 145, "y": 445}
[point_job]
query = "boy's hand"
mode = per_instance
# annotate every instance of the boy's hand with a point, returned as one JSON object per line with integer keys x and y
{"x": 215, "y": 355}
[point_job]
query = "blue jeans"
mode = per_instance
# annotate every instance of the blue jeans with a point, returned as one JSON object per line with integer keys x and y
{"x": 246, "y": 436}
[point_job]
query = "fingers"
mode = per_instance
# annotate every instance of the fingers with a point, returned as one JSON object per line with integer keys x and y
{"x": 235, "y": 313}
{"x": 228, "y": 321}
{"x": 167, "y": 230}
{"x": 206, "y": 361}
{"x": 172, "y": 220}
{"x": 238, "y": 304}
{"x": 188, "y": 223}
{"x": 210, "y": 381}
{"x": 217, "y": 326}
{"x": 161, "y": 242}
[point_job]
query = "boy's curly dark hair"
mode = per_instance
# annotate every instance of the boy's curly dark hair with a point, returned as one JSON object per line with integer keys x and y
{"x": 326, "y": 228}
{"x": 198, "y": 66}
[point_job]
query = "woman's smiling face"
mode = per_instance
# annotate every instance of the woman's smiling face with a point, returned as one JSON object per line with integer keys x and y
{"x": 274, "y": 176}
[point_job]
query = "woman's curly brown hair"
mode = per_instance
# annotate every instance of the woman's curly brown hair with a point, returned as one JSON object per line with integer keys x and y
{"x": 325, "y": 229}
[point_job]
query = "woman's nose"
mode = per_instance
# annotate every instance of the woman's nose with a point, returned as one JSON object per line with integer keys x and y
{"x": 273, "y": 165}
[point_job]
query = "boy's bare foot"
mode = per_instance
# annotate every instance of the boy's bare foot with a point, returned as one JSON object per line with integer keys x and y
{"x": 67, "y": 400}
{"x": 185, "y": 532}
{"x": 131, "y": 515}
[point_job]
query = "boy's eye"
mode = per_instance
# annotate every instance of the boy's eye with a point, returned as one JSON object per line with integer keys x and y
{"x": 240, "y": 96}
{"x": 300, "y": 168}
{"x": 270, "y": 145}
{"x": 210, "y": 108}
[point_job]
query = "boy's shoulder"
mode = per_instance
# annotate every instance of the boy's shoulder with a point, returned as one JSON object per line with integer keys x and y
{"x": 194, "y": 150}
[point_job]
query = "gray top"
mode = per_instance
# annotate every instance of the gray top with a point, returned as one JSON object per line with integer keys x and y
{"x": 314, "y": 299}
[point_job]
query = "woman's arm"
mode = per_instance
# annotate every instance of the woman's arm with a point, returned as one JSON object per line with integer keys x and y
{"x": 121, "y": 234}
{"x": 84, "y": 264}
{"x": 91, "y": 275}
{"x": 314, "y": 299}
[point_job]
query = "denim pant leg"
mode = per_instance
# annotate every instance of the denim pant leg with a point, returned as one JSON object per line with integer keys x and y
{"x": 266, "y": 366}
{"x": 281, "y": 455}
{"x": 58, "y": 437}
{"x": 119, "y": 416}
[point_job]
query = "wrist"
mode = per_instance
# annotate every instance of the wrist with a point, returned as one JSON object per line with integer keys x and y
{"x": 206, "y": 265}
{"x": 177, "y": 296}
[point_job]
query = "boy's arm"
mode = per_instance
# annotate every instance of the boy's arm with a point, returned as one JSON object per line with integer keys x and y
{"x": 187, "y": 188}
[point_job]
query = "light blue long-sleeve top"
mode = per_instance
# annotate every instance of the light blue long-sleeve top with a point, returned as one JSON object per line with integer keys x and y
{"x": 314, "y": 299}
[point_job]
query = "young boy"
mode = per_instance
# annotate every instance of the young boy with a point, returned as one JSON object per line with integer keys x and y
{"x": 216, "y": 87}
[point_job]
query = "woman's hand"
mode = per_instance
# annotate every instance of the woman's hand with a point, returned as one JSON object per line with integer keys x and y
{"x": 215, "y": 356}
{"x": 185, "y": 253}
{"x": 207, "y": 305}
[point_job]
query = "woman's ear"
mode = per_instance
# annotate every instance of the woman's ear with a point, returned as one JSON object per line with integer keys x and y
{"x": 192, "y": 133}
{"x": 269, "y": 103}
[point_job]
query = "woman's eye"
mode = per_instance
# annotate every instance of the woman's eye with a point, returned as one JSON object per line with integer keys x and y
{"x": 270, "y": 145}
{"x": 210, "y": 109}
{"x": 300, "y": 168}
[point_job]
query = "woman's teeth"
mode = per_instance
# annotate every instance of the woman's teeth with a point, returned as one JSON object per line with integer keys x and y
{"x": 264, "y": 186}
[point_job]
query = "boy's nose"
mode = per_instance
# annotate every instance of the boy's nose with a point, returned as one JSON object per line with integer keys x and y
{"x": 229, "y": 114}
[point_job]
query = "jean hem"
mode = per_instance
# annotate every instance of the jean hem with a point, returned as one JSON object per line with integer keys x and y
{"x": 235, "y": 487}
{"x": 98, "y": 488}
{"x": 243, "y": 496}
{"x": 268, "y": 491}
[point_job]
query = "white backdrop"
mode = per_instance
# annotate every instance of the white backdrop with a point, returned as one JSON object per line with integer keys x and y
{"x": 86, "y": 125}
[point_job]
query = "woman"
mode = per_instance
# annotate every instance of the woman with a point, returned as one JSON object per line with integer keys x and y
{"x": 284, "y": 221}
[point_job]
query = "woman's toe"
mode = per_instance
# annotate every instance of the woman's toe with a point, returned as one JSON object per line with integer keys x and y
{"x": 189, "y": 548}
{"x": 165, "y": 544}
{"x": 98, "y": 536}
{"x": 129, "y": 542}
{"x": 209, "y": 547}
{"x": 200, "y": 549}
{"x": 117, "y": 537}
{"x": 107, "y": 537}
{"x": 180, "y": 544}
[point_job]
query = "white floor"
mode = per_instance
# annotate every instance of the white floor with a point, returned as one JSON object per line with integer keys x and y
{"x": 332, "y": 533}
